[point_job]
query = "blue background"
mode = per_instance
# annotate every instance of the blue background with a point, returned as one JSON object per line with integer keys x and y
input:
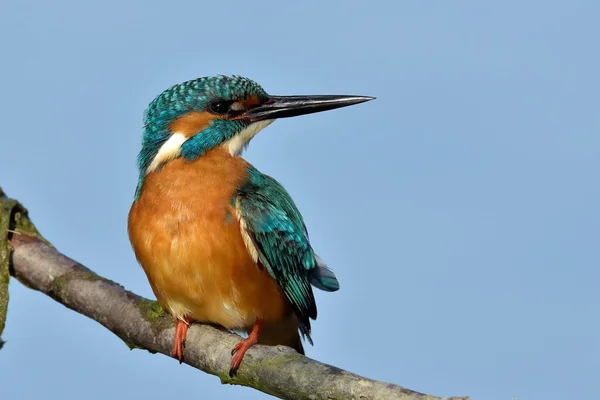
{"x": 459, "y": 210}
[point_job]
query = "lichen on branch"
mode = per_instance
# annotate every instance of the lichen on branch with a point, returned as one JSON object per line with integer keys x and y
{"x": 13, "y": 218}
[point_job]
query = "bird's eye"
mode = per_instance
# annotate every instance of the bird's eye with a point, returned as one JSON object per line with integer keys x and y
{"x": 220, "y": 107}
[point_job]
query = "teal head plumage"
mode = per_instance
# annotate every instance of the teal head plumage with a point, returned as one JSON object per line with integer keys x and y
{"x": 211, "y": 94}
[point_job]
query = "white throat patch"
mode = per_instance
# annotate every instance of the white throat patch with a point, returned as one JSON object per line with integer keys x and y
{"x": 168, "y": 151}
{"x": 238, "y": 143}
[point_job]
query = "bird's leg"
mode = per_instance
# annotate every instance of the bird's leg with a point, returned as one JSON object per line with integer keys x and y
{"x": 180, "y": 333}
{"x": 240, "y": 349}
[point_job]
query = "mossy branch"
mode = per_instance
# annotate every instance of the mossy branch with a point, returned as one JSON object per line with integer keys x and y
{"x": 13, "y": 218}
{"x": 142, "y": 324}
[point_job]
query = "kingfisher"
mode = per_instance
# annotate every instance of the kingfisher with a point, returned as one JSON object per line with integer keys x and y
{"x": 219, "y": 241}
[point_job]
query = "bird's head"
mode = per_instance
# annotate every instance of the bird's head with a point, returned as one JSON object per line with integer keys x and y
{"x": 193, "y": 117}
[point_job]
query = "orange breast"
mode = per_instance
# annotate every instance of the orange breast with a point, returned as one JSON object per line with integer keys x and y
{"x": 186, "y": 236}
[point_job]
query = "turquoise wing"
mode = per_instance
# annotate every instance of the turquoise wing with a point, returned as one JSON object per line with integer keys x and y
{"x": 271, "y": 221}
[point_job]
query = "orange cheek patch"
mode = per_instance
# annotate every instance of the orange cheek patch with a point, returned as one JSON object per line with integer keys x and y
{"x": 191, "y": 123}
{"x": 249, "y": 102}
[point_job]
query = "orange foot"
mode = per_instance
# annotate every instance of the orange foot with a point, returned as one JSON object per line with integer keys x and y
{"x": 180, "y": 333}
{"x": 240, "y": 349}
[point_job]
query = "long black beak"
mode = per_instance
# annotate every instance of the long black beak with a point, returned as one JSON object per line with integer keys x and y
{"x": 292, "y": 106}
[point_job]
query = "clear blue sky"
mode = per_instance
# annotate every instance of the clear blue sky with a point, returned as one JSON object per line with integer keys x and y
{"x": 459, "y": 210}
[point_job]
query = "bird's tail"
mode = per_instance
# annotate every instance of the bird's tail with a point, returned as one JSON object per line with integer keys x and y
{"x": 322, "y": 277}
{"x": 298, "y": 345}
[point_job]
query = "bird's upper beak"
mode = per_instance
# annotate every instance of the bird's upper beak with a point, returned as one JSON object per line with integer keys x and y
{"x": 292, "y": 106}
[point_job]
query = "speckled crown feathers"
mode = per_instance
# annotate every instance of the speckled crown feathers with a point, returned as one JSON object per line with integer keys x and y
{"x": 191, "y": 95}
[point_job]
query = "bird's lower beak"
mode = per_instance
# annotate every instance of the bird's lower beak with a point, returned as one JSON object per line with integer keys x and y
{"x": 292, "y": 106}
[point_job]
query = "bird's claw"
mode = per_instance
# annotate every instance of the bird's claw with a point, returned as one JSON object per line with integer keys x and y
{"x": 237, "y": 348}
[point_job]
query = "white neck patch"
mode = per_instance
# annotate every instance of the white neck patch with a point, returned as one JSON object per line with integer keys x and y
{"x": 168, "y": 151}
{"x": 238, "y": 143}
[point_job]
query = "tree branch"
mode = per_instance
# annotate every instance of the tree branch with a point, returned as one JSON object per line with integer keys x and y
{"x": 141, "y": 323}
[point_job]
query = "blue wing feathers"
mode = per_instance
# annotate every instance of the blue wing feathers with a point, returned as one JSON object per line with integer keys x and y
{"x": 282, "y": 243}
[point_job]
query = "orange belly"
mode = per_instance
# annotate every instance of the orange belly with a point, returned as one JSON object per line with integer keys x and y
{"x": 186, "y": 236}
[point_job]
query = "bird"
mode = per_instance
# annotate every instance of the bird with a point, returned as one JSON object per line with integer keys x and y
{"x": 219, "y": 241}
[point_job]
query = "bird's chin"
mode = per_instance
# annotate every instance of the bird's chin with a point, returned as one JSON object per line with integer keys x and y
{"x": 237, "y": 144}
